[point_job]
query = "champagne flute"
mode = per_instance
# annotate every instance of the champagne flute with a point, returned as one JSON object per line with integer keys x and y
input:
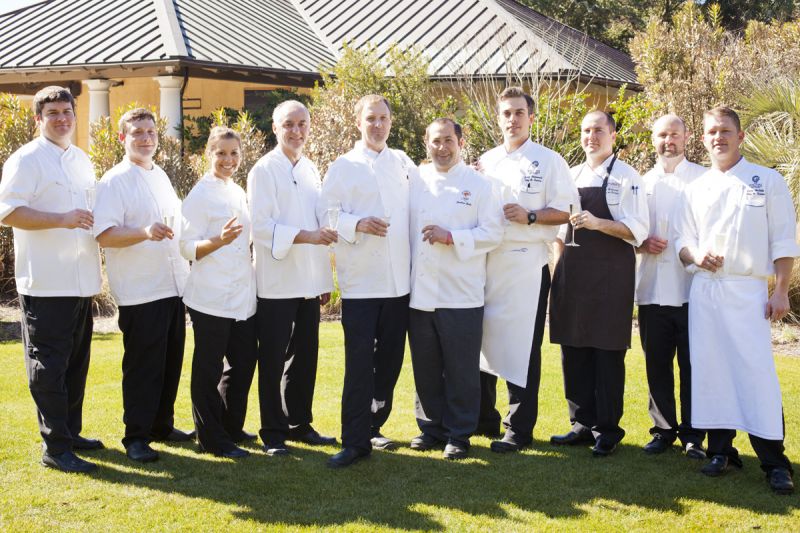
{"x": 168, "y": 216}
{"x": 89, "y": 195}
{"x": 572, "y": 242}
{"x": 510, "y": 195}
{"x": 663, "y": 233}
{"x": 334, "y": 209}
{"x": 721, "y": 248}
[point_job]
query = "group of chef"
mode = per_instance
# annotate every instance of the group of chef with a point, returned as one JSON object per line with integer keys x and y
{"x": 455, "y": 257}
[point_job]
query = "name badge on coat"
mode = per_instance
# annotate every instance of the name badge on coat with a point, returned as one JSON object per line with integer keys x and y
{"x": 613, "y": 191}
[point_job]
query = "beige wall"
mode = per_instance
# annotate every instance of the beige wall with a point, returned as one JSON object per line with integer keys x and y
{"x": 213, "y": 94}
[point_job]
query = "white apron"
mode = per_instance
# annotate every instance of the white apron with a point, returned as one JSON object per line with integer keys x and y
{"x": 734, "y": 383}
{"x": 513, "y": 280}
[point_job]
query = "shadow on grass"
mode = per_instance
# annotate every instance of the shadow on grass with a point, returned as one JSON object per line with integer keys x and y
{"x": 403, "y": 490}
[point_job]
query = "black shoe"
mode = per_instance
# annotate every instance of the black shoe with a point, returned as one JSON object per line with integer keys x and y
{"x": 603, "y": 448}
{"x": 695, "y": 451}
{"x": 235, "y": 453}
{"x": 572, "y": 438}
{"x": 508, "y": 444}
{"x": 274, "y": 449}
{"x": 244, "y": 436}
{"x": 424, "y": 442}
{"x": 140, "y": 451}
{"x": 658, "y": 445}
{"x": 379, "y": 442}
{"x": 313, "y": 438}
{"x": 780, "y": 481}
{"x": 176, "y": 435}
{"x": 488, "y": 430}
{"x": 716, "y": 467}
{"x": 455, "y": 450}
{"x": 68, "y": 462}
{"x": 346, "y": 457}
{"x": 81, "y": 443}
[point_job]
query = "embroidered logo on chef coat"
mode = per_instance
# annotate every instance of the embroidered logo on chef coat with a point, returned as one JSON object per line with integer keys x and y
{"x": 613, "y": 191}
{"x": 756, "y": 196}
{"x": 532, "y": 179}
{"x": 465, "y": 198}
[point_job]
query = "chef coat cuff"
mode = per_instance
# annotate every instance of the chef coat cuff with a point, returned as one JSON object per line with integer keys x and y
{"x": 638, "y": 229}
{"x": 99, "y": 228}
{"x": 189, "y": 250}
{"x": 346, "y": 226}
{"x": 680, "y": 244}
{"x": 8, "y": 206}
{"x": 464, "y": 243}
{"x": 282, "y": 240}
{"x": 562, "y": 232}
{"x": 784, "y": 248}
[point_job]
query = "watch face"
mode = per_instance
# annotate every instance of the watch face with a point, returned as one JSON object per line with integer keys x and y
{"x": 531, "y": 218}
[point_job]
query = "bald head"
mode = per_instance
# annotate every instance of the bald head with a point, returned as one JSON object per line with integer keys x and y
{"x": 669, "y": 137}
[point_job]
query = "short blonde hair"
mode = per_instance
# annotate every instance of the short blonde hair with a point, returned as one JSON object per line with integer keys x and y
{"x": 364, "y": 101}
{"x": 139, "y": 113}
{"x": 220, "y": 133}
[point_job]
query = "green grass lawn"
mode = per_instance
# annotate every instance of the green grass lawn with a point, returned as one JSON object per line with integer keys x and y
{"x": 543, "y": 488}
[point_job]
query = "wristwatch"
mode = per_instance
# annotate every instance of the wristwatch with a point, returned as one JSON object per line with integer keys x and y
{"x": 531, "y": 217}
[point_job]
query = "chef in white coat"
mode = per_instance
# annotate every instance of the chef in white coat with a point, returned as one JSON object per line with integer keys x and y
{"x": 455, "y": 220}
{"x": 736, "y": 228}
{"x": 293, "y": 271}
{"x": 663, "y": 294}
{"x": 367, "y": 189}
{"x": 135, "y": 222}
{"x": 535, "y": 187}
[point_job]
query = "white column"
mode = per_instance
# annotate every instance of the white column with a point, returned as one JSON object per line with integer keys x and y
{"x": 98, "y": 98}
{"x": 171, "y": 106}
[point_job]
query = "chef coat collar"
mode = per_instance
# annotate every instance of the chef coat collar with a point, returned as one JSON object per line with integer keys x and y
{"x": 368, "y": 152}
{"x": 452, "y": 171}
{"x": 50, "y": 145}
{"x": 519, "y": 152}
{"x": 681, "y": 166}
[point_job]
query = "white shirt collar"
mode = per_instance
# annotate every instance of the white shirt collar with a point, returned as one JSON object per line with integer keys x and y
{"x": 517, "y": 154}
{"x": 368, "y": 152}
{"x": 681, "y": 166}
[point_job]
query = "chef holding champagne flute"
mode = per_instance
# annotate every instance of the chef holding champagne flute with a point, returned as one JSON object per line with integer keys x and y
{"x": 293, "y": 272}
{"x": 591, "y": 299}
{"x": 536, "y": 189}
{"x": 221, "y": 298}
{"x": 663, "y": 294}
{"x": 735, "y": 228}
{"x": 146, "y": 274}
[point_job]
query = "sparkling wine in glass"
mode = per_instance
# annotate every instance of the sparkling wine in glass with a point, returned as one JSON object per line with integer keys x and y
{"x": 168, "y": 217}
{"x": 572, "y": 242}
{"x": 89, "y": 194}
{"x": 663, "y": 233}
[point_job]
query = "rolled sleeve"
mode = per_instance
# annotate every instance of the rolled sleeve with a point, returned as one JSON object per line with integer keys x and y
{"x": 17, "y": 186}
{"x": 109, "y": 209}
{"x": 781, "y": 220}
{"x": 195, "y": 223}
{"x": 282, "y": 240}
{"x": 562, "y": 192}
{"x": 347, "y": 226}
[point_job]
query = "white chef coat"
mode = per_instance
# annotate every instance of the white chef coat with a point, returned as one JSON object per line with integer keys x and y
{"x": 283, "y": 200}
{"x": 746, "y": 215}
{"x": 364, "y": 183}
{"x": 130, "y": 196}
{"x": 222, "y": 283}
{"x": 748, "y": 209}
{"x": 662, "y": 279}
{"x": 534, "y": 177}
{"x": 462, "y": 202}
{"x": 58, "y": 261}
{"x": 625, "y": 196}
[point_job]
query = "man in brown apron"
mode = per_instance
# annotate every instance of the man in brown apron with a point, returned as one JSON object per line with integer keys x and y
{"x": 591, "y": 302}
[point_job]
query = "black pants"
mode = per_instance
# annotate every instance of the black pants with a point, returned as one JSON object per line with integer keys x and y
{"x": 445, "y": 351}
{"x": 288, "y": 346}
{"x": 153, "y": 336}
{"x": 56, "y": 336}
{"x": 374, "y": 344}
{"x": 664, "y": 331}
{"x": 594, "y": 385}
{"x": 523, "y": 402}
{"x": 219, "y": 390}
{"x": 769, "y": 452}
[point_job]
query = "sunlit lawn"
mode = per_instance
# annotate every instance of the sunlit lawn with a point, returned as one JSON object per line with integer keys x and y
{"x": 544, "y": 488}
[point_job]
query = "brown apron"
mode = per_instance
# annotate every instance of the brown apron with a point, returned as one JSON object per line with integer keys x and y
{"x": 591, "y": 299}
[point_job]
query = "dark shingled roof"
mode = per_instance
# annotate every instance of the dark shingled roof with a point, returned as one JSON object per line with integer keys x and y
{"x": 296, "y": 37}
